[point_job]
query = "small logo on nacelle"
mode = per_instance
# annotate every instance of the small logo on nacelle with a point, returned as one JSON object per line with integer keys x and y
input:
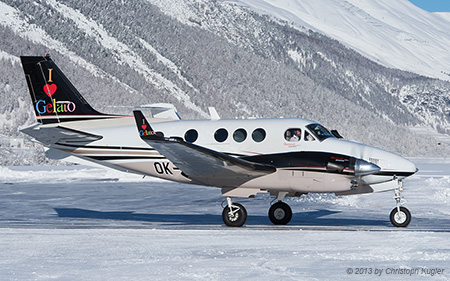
{"x": 146, "y": 133}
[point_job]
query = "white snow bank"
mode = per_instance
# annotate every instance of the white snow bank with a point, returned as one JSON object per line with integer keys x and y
{"x": 66, "y": 174}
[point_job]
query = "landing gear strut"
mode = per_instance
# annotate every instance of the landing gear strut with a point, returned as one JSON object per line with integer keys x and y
{"x": 234, "y": 214}
{"x": 400, "y": 216}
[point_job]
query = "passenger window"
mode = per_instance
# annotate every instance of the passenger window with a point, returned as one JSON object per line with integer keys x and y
{"x": 308, "y": 136}
{"x": 293, "y": 135}
{"x": 191, "y": 136}
{"x": 259, "y": 135}
{"x": 240, "y": 135}
{"x": 221, "y": 135}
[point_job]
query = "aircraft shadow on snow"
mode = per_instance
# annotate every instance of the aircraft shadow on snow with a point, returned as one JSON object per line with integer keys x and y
{"x": 311, "y": 218}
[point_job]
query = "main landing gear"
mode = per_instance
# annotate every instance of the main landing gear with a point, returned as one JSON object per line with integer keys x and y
{"x": 280, "y": 213}
{"x": 400, "y": 216}
{"x": 235, "y": 215}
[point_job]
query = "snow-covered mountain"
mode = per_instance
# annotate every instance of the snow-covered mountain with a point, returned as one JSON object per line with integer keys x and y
{"x": 199, "y": 53}
{"x": 396, "y": 33}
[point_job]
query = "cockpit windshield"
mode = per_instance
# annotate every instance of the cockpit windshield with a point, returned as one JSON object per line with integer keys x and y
{"x": 320, "y": 132}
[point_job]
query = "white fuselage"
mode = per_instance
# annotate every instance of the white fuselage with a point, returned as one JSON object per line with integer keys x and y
{"x": 298, "y": 170}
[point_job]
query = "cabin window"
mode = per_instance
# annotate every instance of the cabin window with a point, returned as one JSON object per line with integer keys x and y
{"x": 221, "y": 135}
{"x": 240, "y": 135}
{"x": 259, "y": 135}
{"x": 293, "y": 135}
{"x": 191, "y": 136}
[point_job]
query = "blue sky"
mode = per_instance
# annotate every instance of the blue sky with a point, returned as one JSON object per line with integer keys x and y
{"x": 433, "y": 5}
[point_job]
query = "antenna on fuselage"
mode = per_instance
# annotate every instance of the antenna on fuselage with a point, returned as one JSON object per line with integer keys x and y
{"x": 213, "y": 113}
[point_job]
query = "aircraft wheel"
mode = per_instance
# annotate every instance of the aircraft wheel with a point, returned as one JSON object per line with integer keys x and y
{"x": 280, "y": 213}
{"x": 402, "y": 218}
{"x": 236, "y": 217}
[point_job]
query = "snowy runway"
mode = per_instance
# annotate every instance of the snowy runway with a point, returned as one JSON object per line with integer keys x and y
{"x": 87, "y": 223}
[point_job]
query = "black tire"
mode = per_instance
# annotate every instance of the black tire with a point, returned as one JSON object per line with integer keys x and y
{"x": 401, "y": 219}
{"x": 280, "y": 213}
{"x": 236, "y": 220}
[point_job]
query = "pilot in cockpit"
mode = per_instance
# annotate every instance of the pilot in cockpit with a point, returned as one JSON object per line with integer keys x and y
{"x": 309, "y": 137}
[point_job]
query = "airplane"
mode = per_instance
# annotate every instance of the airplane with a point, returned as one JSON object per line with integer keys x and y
{"x": 284, "y": 157}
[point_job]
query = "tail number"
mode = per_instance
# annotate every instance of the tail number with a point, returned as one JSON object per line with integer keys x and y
{"x": 162, "y": 168}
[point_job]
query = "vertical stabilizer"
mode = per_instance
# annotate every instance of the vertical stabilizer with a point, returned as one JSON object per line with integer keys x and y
{"x": 54, "y": 97}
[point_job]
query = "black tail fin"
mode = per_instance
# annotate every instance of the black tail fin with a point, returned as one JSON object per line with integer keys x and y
{"x": 54, "y": 98}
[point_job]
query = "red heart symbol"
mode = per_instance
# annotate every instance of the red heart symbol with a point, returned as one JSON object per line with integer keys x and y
{"x": 144, "y": 126}
{"x": 50, "y": 89}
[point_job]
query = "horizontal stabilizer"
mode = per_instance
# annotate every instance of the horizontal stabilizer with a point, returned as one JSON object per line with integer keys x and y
{"x": 59, "y": 134}
{"x": 158, "y": 110}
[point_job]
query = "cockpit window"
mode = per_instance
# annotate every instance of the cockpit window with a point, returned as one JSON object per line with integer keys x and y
{"x": 309, "y": 137}
{"x": 319, "y": 131}
{"x": 293, "y": 135}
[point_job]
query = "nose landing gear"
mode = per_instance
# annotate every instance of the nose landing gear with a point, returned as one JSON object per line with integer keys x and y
{"x": 400, "y": 216}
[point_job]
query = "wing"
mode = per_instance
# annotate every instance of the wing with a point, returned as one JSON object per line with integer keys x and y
{"x": 199, "y": 163}
{"x": 59, "y": 134}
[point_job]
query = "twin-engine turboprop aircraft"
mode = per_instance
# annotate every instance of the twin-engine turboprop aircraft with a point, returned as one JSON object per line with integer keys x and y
{"x": 284, "y": 156}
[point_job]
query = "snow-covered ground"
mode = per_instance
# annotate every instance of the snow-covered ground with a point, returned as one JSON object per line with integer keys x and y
{"x": 81, "y": 223}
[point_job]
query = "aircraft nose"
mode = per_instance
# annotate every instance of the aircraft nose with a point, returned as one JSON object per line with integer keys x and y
{"x": 403, "y": 166}
{"x": 412, "y": 167}
{"x": 408, "y": 166}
